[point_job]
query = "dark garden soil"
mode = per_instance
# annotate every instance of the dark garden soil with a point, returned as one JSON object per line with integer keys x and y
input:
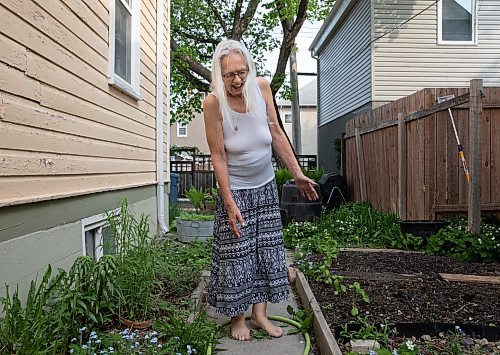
{"x": 406, "y": 288}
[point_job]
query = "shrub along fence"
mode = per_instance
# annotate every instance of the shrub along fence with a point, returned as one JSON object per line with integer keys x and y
{"x": 199, "y": 172}
{"x": 403, "y": 157}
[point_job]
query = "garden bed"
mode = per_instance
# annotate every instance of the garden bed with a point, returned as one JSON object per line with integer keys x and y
{"x": 405, "y": 287}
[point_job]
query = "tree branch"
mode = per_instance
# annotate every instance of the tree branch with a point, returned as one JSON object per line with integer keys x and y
{"x": 289, "y": 34}
{"x": 240, "y": 25}
{"x": 200, "y": 38}
{"x": 217, "y": 14}
{"x": 193, "y": 65}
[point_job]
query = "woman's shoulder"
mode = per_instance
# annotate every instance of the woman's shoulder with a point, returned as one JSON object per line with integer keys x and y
{"x": 264, "y": 87}
{"x": 210, "y": 101}
{"x": 263, "y": 83}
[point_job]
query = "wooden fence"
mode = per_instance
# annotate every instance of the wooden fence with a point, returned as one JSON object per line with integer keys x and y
{"x": 199, "y": 171}
{"x": 425, "y": 178}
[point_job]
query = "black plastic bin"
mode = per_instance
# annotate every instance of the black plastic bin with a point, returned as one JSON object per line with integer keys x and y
{"x": 174, "y": 188}
{"x": 422, "y": 229}
{"x": 296, "y": 208}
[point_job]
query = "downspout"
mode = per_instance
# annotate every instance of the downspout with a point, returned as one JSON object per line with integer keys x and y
{"x": 160, "y": 186}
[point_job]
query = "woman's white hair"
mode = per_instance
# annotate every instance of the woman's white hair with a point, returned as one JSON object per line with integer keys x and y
{"x": 224, "y": 48}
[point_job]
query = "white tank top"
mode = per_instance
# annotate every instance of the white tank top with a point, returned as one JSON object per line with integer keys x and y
{"x": 248, "y": 147}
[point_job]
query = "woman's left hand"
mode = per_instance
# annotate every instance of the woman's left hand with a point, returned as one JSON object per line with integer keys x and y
{"x": 306, "y": 187}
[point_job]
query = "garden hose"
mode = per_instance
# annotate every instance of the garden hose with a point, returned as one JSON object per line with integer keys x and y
{"x": 307, "y": 338}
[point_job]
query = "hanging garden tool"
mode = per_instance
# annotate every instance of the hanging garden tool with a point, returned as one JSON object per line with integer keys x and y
{"x": 460, "y": 147}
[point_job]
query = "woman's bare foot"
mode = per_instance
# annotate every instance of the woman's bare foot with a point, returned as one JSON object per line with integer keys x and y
{"x": 265, "y": 323}
{"x": 239, "y": 330}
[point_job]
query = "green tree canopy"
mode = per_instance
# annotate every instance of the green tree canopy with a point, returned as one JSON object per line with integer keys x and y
{"x": 197, "y": 26}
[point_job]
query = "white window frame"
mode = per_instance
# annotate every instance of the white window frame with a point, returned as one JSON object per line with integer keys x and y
{"x": 179, "y": 125}
{"x": 440, "y": 26}
{"x": 95, "y": 222}
{"x": 134, "y": 88}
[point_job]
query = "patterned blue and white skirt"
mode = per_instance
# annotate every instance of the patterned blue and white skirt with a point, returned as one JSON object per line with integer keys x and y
{"x": 250, "y": 269}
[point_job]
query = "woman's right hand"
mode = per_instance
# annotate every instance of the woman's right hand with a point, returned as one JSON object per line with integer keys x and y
{"x": 235, "y": 218}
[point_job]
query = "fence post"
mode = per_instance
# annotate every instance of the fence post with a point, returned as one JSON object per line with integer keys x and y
{"x": 361, "y": 165}
{"x": 475, "y": 146}
{"x": 401, "y": 166}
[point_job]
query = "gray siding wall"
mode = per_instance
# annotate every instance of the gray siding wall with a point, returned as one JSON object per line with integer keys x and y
{"x": 50, "y": 232}
{"x": 345, "y": 65}
{"x": 410, "y": 58}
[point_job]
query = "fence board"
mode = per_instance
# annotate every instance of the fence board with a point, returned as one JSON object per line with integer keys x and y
{"x": 430, "y": 157}
{"x": 435, "y": 179}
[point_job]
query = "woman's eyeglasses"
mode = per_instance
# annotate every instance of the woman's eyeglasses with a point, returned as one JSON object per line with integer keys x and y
{"x": 230, "y": 76}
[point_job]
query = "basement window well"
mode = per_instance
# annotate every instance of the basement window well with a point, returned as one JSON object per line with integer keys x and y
{"x": 97, "y": 238}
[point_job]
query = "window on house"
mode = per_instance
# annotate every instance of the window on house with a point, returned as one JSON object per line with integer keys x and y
{"x": 288, "y": 118}
{"x": 97, "y": 238}
{"x": 182, "y": 130}
{"x": 124, "y": 46}
{"x": 457, "y": 21}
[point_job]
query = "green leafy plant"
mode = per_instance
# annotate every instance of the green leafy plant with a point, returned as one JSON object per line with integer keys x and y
{"x": 454, "y": 240}
{"x": 195, "y": 197}
{"x": 190, "y": 216}
{"x": 135, "y": 263}
{"x": 368, "y": 330}
{"x": 200, "y": 334}
{"x": 304, "y": 317}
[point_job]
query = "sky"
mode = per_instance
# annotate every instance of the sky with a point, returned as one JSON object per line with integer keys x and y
{"x": 305, "y": 63}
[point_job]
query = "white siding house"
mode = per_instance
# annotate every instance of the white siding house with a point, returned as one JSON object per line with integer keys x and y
{"x": 370, "y": 52}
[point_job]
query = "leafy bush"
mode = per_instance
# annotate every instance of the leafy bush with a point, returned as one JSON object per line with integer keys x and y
{"x": 196, "y": 197}
{"x": 135, "y": 264}
{"x": 356, "y": 224}
{"x": 179, "y": 270}
{"x": 454, "y": 240}
{"x": 189, "y": 216}
{"x": 54, "y": 309}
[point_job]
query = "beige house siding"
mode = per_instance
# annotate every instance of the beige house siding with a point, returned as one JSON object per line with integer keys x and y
{"x": 308, "y": 128}
{"x": 64, "y": 130}
{"x": 71, "y": 145}
{"x": 195, "y": 135}
{"x": 410, "y": 58}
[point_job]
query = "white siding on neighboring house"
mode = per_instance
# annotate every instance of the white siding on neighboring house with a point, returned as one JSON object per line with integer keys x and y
{"x": 410, "y": 58}
{"x": 344, "y": 71}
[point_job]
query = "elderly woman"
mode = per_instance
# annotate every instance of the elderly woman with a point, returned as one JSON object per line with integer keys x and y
{"x": 248, "y": 259}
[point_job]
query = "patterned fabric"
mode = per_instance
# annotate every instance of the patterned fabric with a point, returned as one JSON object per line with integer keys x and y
{"x": 251, "y": 269}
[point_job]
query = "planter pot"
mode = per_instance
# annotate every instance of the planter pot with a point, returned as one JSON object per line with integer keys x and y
{"x": 139, "y": 325}
{"x": 189, "y": 230}
{"x": 422, "y": 229}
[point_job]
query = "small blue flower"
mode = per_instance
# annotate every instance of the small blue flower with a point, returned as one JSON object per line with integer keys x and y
{"x": 154, "y": 340}
{"x": 71, "y": 351}
{"x": 153, "y": 333}
{"x": 372, "y": 352}
{"x": 84, "y": 347}
{"x": 124, "y": 332}
{"x": 111, "y": 348}
{"x": 73, "y": 339}
{"x": 98, "y": 341}
{"x": 83, "y": 329}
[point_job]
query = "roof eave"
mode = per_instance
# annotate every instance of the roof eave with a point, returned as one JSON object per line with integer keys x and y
{"x": 339, "y": 10}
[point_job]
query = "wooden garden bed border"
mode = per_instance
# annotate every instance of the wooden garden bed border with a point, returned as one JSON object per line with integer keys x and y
{"x": 323, "y": 335}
